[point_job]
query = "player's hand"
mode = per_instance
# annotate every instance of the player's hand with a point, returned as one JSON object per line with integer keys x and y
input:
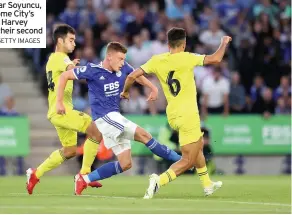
{"x": 153, "y": 95}
{"x": 61, "y": 108}
{"x": 125, "y": 95}
{"x": 226, "y": 39}
{"x": 76, "y": 61}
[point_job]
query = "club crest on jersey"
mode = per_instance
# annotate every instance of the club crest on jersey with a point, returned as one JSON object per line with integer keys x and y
{"x": 119, "y": 74}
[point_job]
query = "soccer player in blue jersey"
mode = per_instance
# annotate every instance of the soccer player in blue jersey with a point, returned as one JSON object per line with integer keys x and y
{"x": 105, "y": 83}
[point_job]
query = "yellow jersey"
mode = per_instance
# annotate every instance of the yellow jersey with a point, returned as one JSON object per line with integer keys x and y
{"x": 56, "y": 65}
{"x": 176, "y": 75}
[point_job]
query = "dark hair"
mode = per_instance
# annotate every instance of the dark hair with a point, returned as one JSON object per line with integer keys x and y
{"x": 176, "y": 37}
{"x": 116, "y": 46}
{"x": 61, "y": 31}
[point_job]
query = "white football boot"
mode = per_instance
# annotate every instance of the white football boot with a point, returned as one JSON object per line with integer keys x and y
{"x": 212, "y": 188}
{"x": 153, "y": 186}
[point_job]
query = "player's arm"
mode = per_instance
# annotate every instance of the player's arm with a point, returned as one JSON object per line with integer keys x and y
{"x": 218, "y": 55}
{"x": 73, "y": 74}
{"x": 67, "y": 75}
{"x": 145, "y": 82}
{"x": 70, "y": 67}
{"x": 131, "y": 78}
{"x": 67, "y": 64}
{"x": 148, "y": 67}
{"x": 73, "y": 66}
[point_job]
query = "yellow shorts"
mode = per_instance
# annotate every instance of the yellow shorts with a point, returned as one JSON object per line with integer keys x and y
{"x": 188, "y": 127}
{"x": 69, "y": 124}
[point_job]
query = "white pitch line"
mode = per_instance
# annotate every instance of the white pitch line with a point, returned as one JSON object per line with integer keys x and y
{"x": 98, "y": 208}
{"x": 164, "y": 199}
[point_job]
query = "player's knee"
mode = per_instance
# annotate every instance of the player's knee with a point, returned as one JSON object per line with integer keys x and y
{"x": 187, "y": 163}
{"x": 193, "y": 161}
{"x": 70, "y": 152}
{"x": 142, "y": 136}
{"x": 94, "y": 133}
{"x": 126, "y": 165}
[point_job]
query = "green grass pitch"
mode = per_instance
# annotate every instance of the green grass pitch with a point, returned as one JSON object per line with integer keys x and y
{"x": 123, "y": 194}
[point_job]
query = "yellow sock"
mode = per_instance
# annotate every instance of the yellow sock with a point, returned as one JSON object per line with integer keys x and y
{"x": 90, "y": 150}
{"x": 55, "y": 159}
{"x": 167, "y": 177}
{"x": 204, "y": 176}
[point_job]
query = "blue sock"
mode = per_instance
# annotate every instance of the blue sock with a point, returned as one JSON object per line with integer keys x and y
{"x": 162, "y": 151}
{"x": 105, "y": 171}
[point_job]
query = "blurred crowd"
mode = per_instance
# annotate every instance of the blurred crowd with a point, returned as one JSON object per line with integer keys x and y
{"x": 7, "y": 109}
{"x": 7, "y": 105}
{"x": 254, "y": 76}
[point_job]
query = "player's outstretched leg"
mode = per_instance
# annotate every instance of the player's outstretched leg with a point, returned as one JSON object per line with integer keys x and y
{"x": 105, "y": 171}
{"x": 53, "y": 161}
{"x": 90, "y": 150}
{"x": 155, "y": 147}
{"x": 209, "y": 186}
{"x": 189, "y": 156}
{"x": 68, "y": 140}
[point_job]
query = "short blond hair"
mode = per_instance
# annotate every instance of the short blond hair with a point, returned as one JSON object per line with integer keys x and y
{"x": 117, "y": 47}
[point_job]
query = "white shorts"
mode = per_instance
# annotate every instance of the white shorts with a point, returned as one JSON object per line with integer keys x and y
{"x": 117, "y": 131}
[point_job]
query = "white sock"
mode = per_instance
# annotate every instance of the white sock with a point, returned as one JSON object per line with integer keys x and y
{"x": 86, "y": 178}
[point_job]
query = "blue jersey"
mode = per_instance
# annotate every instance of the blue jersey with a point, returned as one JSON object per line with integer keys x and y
{"x": 104, "y": 87}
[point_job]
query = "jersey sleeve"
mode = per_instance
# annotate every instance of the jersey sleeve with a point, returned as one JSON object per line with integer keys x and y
{"x": 196, "y": 59}
{"x": 83, "y": 72}
{"x": 149, "y": 66}
{"x": 65, "y": 62}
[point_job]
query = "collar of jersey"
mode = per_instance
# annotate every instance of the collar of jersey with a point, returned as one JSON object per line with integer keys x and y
{"x": 101, "y": 65}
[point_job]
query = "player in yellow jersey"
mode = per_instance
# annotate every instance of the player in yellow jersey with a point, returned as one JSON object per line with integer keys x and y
{"x": 67, "y": 125}
{"x": 175, "y": 73}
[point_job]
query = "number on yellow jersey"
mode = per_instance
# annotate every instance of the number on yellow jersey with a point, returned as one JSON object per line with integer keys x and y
{"x": 176, "y": 75}
{"x": 173, "y": 84}
{"x": 56, "y": 65}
